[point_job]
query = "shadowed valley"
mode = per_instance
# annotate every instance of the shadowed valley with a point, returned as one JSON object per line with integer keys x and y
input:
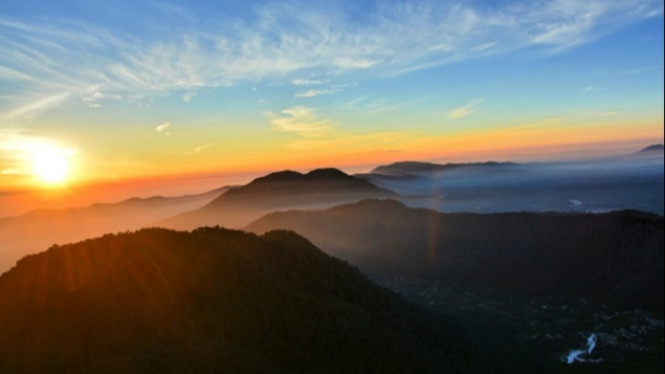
{"x": 537, "y": 287}
{"x": 615, "y": 258}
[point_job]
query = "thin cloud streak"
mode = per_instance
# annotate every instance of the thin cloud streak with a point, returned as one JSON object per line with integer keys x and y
{"x": 465, "y": 110}
{"x": 301, "y": 120}
{"x": 35, "y": 107}
{"x": 306, "y": 82}
{"x": 313, "y": 93}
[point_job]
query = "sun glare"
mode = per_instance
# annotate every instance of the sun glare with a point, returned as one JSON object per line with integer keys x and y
{"x": 50, "y": 163}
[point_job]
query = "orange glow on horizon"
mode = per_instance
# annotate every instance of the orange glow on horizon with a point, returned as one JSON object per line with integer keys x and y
{"x": 169, "y": 175}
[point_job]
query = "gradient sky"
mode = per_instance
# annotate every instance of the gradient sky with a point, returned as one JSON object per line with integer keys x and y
{"x": 129, "y": 89}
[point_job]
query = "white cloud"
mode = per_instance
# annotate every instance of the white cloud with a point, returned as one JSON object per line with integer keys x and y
{"x": 301, "y": 120}
{"x": 313, "y": 93}
{"x": 306, "y": 82}
{"x": 163, "y": 127}
{"x": 284, "y": 40}
{"x": 465, "y": 110}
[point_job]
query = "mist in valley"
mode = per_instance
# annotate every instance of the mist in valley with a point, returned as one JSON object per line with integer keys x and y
{"x": 583, "y": 186}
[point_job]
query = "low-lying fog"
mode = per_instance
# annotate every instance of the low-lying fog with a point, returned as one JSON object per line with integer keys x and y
{"x": 571, "y": 186}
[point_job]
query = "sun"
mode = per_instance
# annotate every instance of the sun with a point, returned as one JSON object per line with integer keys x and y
{"x": 50, "y": 163}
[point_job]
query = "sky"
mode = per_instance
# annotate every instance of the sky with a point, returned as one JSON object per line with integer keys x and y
{"x": 114, "y": 91}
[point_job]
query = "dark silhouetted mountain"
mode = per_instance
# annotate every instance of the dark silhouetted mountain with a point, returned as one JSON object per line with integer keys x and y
{"x": 653, "y": 153}
{"x": 653, "y": 148}
{"x": 415, "y": 167}
{"x": 211, "y": 301}
{"x": 283, "y": 190}
{"x": 614, "y": 258}
{"x": 376, "y": 179}
{"x": 34, "y": 231}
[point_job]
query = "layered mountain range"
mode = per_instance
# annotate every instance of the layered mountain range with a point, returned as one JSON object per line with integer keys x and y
{"x": 219, "y": 300}
{"x": 39, "y": 229}
{"x": 283, "y": 190}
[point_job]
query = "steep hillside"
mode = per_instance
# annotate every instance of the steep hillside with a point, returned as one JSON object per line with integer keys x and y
{"x": 614, "y": 258}
{"x": 211, "y": 301}
{"x": 319, "y": 188}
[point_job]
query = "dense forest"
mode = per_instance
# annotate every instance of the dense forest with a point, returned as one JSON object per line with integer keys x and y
{"x": 213, "y": 300}
{"x": 614, "y": 258}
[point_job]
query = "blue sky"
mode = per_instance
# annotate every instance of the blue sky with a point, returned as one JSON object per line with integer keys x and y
{"x": 134, "y": 85}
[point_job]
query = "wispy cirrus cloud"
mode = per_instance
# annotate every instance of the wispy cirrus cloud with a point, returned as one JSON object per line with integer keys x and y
{"x": 285, "y": 40}
{"x": 301, "y": 120}
{"x": 35, "y": 106}
{"x": 465, "y": 110}
{"x": 161, "y": 128}
{"x": 306, "y": 82}
{"x": 313, "y": 93}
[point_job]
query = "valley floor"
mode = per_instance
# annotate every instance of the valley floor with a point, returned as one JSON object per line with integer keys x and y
{"x": 543, "y": 334}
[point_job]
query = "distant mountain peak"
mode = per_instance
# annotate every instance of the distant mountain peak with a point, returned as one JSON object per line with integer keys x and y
{"x": 653, "y": 148}
{"x": 414, "y": 167}
{"x": 328, "y": 173}
{"x": 294, "y": 176}
{"x": 292, "y": 182}
{"x": 280, "y": 176}
{"x": 278, "y": 191}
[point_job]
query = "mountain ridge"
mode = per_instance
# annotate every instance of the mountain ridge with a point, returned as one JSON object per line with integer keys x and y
{"x": 415, "y": 167}
{"x": 614, "y": 258}
{"x": 653, "y": 148}
{"x": 158, "y": 300}
{"x": 278, "y": 191}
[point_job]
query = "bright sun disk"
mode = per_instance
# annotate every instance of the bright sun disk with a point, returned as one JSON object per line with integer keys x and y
{"x": 50, "y": 163}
